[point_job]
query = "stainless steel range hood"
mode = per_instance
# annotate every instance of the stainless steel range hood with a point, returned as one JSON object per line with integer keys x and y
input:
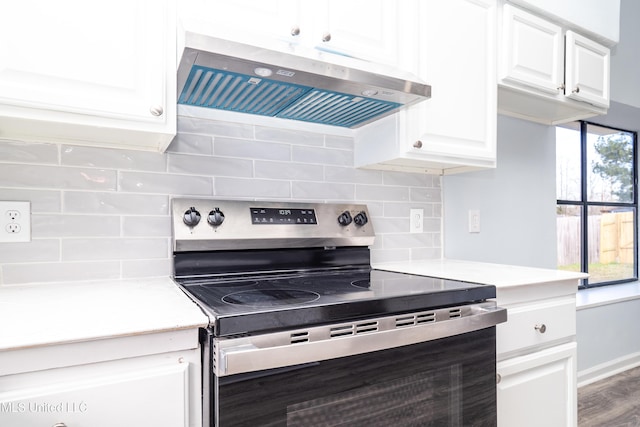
{"x": 334, "y": 90}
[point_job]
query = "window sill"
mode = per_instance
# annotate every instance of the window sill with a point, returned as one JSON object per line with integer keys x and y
{"x": 594, "y": 297}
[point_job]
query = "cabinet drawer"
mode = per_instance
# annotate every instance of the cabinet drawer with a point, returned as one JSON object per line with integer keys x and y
{"x": 535, "y": 324}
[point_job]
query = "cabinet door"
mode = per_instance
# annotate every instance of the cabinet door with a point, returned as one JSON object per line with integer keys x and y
{"x": 97, "y": 58}
{"x": 459, "y": 121}
{"x": 539, "y": 389}
{"x": 532, "y": 51}
{"x": 243, "y": 18}
{"x": 365, "y": 29}
{"x": 88, "y": 64}
{"x": 147, "y": 397}
{"x": 587, "y": 70}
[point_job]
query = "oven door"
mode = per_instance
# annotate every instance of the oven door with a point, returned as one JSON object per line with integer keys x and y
{"x": 449, "y": 381}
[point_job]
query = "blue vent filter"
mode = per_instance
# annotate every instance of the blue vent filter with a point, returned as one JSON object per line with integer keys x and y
{"x": 336, "y": 109}
{"x": 217, "y": 89}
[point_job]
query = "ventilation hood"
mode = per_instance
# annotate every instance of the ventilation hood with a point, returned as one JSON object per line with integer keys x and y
{"x": 336, "y": 90}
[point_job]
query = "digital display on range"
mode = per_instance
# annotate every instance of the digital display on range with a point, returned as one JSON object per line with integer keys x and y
{"x": 283, "y": 216}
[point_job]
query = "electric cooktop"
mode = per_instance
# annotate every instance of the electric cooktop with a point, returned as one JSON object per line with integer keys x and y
{"x": 273, "y": 301}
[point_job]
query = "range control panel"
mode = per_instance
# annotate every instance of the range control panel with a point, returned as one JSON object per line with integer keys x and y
{"x": 213, "y": 224}
{"x": 287, "y": 216}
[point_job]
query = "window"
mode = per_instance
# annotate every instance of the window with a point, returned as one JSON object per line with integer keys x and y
{"x": 596, "y": 187}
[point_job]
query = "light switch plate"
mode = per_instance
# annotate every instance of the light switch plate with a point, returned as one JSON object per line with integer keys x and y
{"x": 15, "y": 221}
{"x": 474, "y": 221}
{"x": 416, "y": 220}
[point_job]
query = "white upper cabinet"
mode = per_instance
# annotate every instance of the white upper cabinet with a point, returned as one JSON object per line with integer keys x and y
{"x": 532, "y": 51}
{"x": 241, "y": 18}
{"x": 365, "y": 29}
{"x": 587, "y": 70}
{"x": 455, "y": 130}
{"x": 547, "y": 73}
{"x": 599, "y": 20}
{"x": 96, "y": 73}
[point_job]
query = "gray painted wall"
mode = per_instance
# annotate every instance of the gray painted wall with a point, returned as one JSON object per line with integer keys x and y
{"x": 516, "y": 201}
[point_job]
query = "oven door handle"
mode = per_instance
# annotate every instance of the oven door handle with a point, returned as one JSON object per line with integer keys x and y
{"x": 275, "y": 350}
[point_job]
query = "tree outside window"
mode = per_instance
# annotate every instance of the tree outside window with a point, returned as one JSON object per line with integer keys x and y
{"x": 596, "y": 183}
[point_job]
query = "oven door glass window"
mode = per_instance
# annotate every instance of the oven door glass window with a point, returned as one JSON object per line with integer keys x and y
{"x": 447, "y": 382}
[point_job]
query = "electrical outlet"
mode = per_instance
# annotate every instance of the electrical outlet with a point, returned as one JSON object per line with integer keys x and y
{"x": 15, "y": 222}
{"x": 416, "y": 220}
{"x": 474, "y": 221}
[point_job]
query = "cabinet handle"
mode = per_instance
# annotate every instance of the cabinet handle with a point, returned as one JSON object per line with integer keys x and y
{"x": 59, "y": 425}
{"x": 326, "y": 37}
{"x": 498, "y": 378}
{"x": 561, "y": 88}
{"x": 295, "y": 31}
{"x": 576, "y": 90}
{"x": 417, "y": 144}
{"x": 156, "y": 110}
{"x": 541, "y": 328}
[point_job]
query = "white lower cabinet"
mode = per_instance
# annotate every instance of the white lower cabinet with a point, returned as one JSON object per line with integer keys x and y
{"x": 143, "y": 380}
{"x": 538, "y": 389}
{"x": 536, "y": 353}
{"x": 104, "y": 394}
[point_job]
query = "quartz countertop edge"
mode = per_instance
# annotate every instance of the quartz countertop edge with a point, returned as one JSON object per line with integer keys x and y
{"x": 499, "y": 275}
{"x": 34, "y": 315}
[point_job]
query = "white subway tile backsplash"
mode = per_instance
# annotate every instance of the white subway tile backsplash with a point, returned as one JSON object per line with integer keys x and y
{"x": 431, "y": 195}
{"x": 133, "y": 269}
{"x": 234, "y": 147}
{"x": 193, "y": 125}
{"x": 131, "y": 182}
{"x": 253, "y": 188}
{"x": 101, "y": 213}
{"x": 41, "y": 200}
{"x": 146, "y": 226}
{"x": 114, "y": 249}
{"x": 322, "y": 156}
{"x": 341, "y": 142}
{"x": 23, "y": 152}
{"x": 112, "y": 158}
{"x": 390, "y": 225}
{"x": 402, "y": 209}
{"x": 186, "y": 143}
{"x": 36, "y": 176}
{"x": 407, "y": 179}
{"x": 210, "y": 166}
{"x": 288, "y": 171}
{"x": 37, "y": 250}
{"x": 14, "y": 274}
{"x": 295, "y": 137}
{"x": 115, "y": 203}
{"x": 382, "y": 193}
{"x": 349, "y": 174}
{"x": 323, "y": 191}
{"x": 407, "y": 241}
{"x": 65, "y": 225}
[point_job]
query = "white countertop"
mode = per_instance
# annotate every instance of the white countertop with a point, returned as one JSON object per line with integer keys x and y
{"x": 45, "y": 314}
{"x": 500, "y": 275}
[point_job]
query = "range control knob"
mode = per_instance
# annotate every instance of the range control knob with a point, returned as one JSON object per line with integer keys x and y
{"x": 360, "y": 219}
{"x": 344, "y": 218}
{"x": 191, "y": 217}
{"x": 216, "y": 217}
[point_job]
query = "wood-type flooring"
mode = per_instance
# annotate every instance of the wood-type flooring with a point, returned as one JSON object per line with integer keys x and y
{"x": 611, "y": 402}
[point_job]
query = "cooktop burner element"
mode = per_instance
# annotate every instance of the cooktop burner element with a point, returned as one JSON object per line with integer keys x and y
{"x": 270, "y": 297}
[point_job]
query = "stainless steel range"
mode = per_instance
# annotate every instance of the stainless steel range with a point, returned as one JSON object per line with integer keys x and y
{"x": 303, "y": 332}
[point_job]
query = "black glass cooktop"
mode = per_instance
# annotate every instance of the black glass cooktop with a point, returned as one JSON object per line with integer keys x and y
{"x": 279, "y": 301}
